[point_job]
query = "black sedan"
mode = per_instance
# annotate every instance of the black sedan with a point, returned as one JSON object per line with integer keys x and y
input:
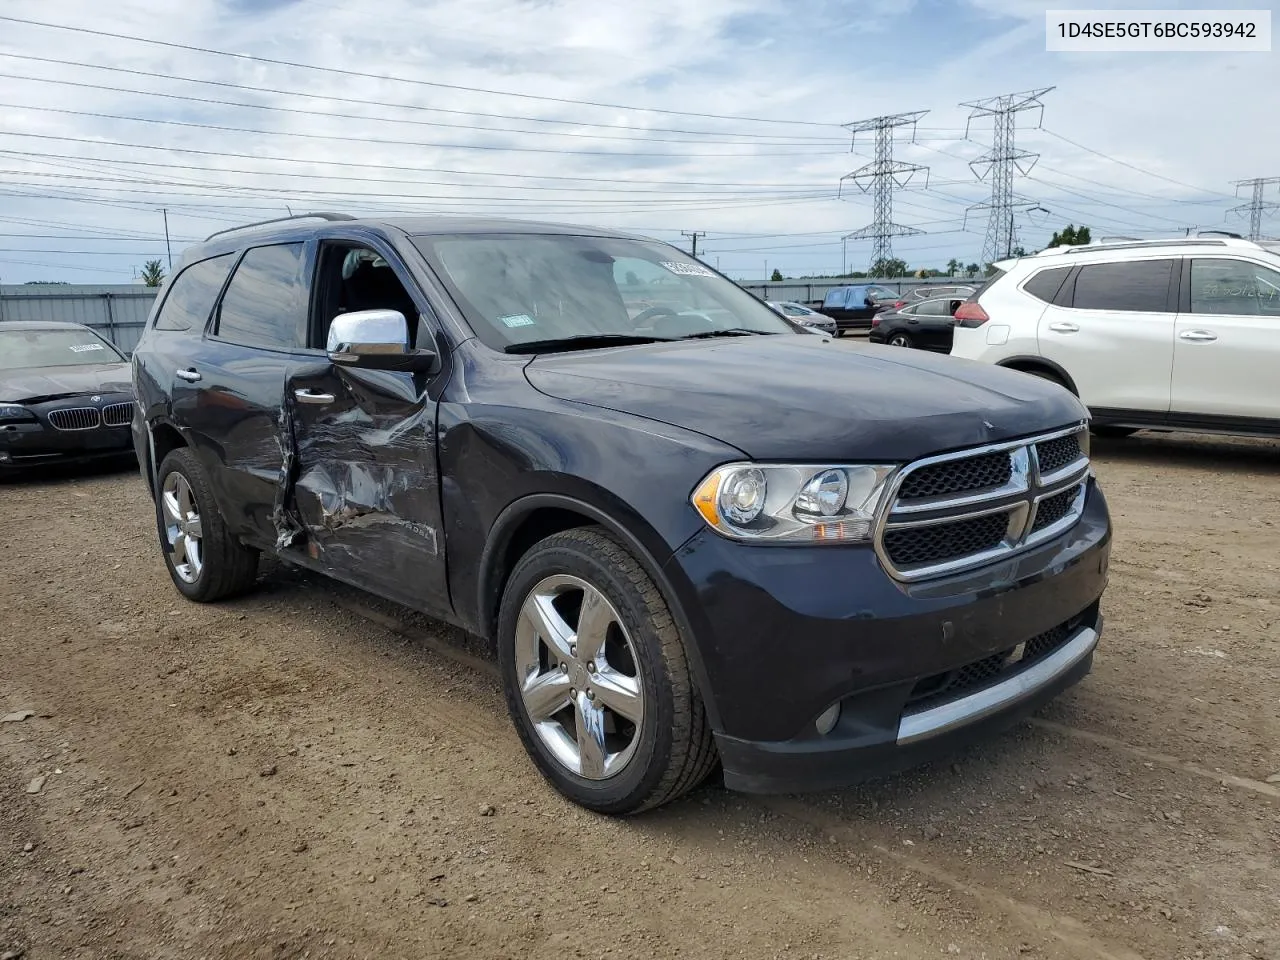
{"x": 926, "y": 325}
{"x": 66, "y": 395}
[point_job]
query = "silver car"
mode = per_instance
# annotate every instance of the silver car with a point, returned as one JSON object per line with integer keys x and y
{"x": 799, "y": 313}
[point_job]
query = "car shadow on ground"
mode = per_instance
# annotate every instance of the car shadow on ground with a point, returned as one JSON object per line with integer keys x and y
{"x": 1233, "y": 454}
{"x": 59, "y": 473}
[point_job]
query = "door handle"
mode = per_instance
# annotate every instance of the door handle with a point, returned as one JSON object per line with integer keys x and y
{"x": 1198, "y": 336}
{"x": 311, "y": 396}
{"x": 1063, "y": 326}
{"x": 191, "y": 375}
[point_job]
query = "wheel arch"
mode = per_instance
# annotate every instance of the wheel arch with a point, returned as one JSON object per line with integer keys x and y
{"x": 1030, "y": 362}
{"x": 536, "y": 516}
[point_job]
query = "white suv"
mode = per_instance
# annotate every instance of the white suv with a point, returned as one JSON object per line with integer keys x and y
{"x": 1165, "y": 334}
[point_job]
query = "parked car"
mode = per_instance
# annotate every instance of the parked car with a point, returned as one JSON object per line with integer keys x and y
{"x": 799, "y": 313}
{"x": 1179, "y": 334}
{"x": 850, "y": 307}
{"x": 65, "y": 395}
{"x": 925, "y": 324}
{"x": 942, "y": 292}
{"x": 696, "y": 537}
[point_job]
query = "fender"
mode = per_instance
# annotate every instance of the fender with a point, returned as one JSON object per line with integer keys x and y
{"x": 1031, "y": 360}
{"x": 509, "y": 520}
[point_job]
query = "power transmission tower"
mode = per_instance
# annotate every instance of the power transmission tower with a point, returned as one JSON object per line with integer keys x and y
{"x": 695, "y": 234}
{"x": 999, "y": 164}
{"x": 881, "y": 175}
{"x": 1257, "y": 206}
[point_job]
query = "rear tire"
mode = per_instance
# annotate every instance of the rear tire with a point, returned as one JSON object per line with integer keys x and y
{"x": 608, "y": 711}
{"x": 900, "y": 340}
{"x": 205, "y": 562}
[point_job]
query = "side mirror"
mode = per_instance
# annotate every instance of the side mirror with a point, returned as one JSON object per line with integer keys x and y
{"x": 375, "y": 340}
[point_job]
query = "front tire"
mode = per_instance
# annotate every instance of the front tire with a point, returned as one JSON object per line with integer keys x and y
{"x": 596, "y": 678}
{"x": 204, "y": 560}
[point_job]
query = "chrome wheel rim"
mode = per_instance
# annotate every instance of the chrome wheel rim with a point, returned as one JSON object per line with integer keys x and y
{"x": 182, "y": 527}
{"x": 578, "y": 676}
{"x": 897, "y": 340}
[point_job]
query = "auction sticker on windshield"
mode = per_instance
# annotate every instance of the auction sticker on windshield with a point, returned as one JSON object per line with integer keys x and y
{"x": 686, "y": 269}
{"x": 517, "y": 320}
{"x": 85, "y": 347}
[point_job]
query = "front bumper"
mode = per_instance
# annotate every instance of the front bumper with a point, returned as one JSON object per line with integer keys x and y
{"x": 36, "y": 443}
{"x": 782, "y": 634}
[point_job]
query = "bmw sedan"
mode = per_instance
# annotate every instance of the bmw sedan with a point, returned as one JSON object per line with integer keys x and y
{"x": 65, "y": 395}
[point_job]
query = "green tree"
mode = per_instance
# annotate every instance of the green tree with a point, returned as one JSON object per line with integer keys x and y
{"x": 152, "y": 273}
{"x": 952, "y": 266}
{"x": 1070, "y": 236}
{"x": 972, "y": 270}
{"x": 1019, "y": 251}
{"x": 889, "y": 267}
{"x": 777, "y": 276}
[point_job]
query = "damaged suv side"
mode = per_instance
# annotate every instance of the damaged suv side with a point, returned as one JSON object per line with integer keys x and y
{"x": 696, "y": 536}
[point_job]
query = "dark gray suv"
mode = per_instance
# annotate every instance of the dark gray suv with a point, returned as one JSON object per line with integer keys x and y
{"x": 697, "y": 537}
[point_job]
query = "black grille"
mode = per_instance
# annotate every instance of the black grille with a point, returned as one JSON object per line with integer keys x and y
{"x": 957, "y": 476}
{"x": 940, "y": 542}
{"x": 75, "y": 418}
{"x": 943, "y": 687}
{"x": 117, "y": 414}
{"x": 1056, "y": 454}
{"x": 1054, "y": 509}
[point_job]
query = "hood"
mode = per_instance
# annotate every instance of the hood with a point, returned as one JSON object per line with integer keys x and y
{"x": 810, "y": 399}
{"x": 33, "y": 384}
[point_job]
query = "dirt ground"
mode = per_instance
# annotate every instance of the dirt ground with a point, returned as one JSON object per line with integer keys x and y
{"x": 307, "y": 772}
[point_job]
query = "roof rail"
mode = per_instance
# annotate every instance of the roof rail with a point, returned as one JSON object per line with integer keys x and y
{"x": 1148, "y": 244}
{"x": 1219, "y": 233}
{"x": 295, "y": 216}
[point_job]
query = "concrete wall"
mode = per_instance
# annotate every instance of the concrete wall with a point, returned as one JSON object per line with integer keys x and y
{"x": 117, "y": 311}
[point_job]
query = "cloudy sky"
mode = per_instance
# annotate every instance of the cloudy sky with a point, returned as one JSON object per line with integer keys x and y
{"x": 718, "y": 116}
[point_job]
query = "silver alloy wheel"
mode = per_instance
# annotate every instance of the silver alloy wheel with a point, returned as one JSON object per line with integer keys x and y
{"x": 579, "y": 681}
{"x": 899, "y": 340}
{"x": 182, "y": 527}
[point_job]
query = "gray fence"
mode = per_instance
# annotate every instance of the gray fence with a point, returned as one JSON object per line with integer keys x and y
{"x": 815, "y": 291}
{"x": 117, "y": 311}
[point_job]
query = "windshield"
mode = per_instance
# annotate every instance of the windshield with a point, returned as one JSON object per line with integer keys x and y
{"x": 526, "y": 288}
{"x": 23, "y": 349}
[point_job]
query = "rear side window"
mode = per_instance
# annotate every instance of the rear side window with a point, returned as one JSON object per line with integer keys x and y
{"x": 933, "y": 308}
{"x": 266, "y": 302}
{"x": 1138, "y": 286}
{"x": 192, "y": 294}
{"x": 1046, "y": 284}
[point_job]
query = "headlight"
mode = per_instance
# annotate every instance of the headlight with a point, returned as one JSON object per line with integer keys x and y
{"x": 12, "y": 411}
{"x": 792, "y": 503}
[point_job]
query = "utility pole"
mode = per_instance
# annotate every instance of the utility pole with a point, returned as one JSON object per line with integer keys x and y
{"x": 1000, "y": 162}
{"x": 881, "y": 175}
{"x": 694, "y": 234}
{"x": 168, "y": 248}
{"x": 1256, "y": 206}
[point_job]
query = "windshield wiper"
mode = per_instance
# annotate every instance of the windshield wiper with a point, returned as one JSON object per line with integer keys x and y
{"x": 585, "y": 341}
{"x": 730, "y": 332}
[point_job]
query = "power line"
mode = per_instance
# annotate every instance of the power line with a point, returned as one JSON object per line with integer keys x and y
{"x": 694, "y": 235}
{"x": 999, "y": 163}
{"x": 502, "y": 148}
{"x": 337, "y": 71}
{"x": 883, "y": 174}
{"x": 1125, "y": 163}
{"x": 1256, "y": 206}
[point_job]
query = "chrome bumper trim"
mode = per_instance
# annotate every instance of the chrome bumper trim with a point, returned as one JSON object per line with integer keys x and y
{"x": 1008, "y": 693}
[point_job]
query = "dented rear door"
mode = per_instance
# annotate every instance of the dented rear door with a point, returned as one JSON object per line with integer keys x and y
{"x": 364, "y": 501}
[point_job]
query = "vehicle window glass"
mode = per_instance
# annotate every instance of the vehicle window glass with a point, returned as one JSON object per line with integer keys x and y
{"x": 24, "y": 348}
{"x": 352, "y": 278}
{"x": 1141, "y": 286}
{"x": 932, "y": 308}
{"x": 265, "y": 301}
{"x": 791, "y": 311}
{"x": 518, "y": 288}
{"x": 1046, "y": 284}
{"x": 192, "y": 293}
{"x": 1234, "y": 287}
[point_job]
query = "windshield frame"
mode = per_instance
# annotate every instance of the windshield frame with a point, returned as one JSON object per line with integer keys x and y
{"x": 728, "y": 295}
{"x": 114, "y": 354}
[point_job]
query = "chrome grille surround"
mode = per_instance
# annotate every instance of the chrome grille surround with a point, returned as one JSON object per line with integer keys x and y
{"x": 117, "y": 414}
{"x": 75, "y": 418}
{"x": 1018, "y": 500}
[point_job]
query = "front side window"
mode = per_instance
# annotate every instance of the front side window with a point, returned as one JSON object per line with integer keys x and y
{"x": 192, "y": 294}
{"x": 266, "y": 301}
{"x": 1140, "y": 286}
{"x": 26, "y": 348}
{"x": 1234, "y": 287}
{"x": 521, "y": 288}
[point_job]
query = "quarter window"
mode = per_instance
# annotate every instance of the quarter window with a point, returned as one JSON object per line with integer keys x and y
{"x": 192, "y": 294}
{"x": 1140, "y": 286}
{"x": 266, "y": 301}
{"x": 1234, "y": 287}
{"x": 1046, "y": 284}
